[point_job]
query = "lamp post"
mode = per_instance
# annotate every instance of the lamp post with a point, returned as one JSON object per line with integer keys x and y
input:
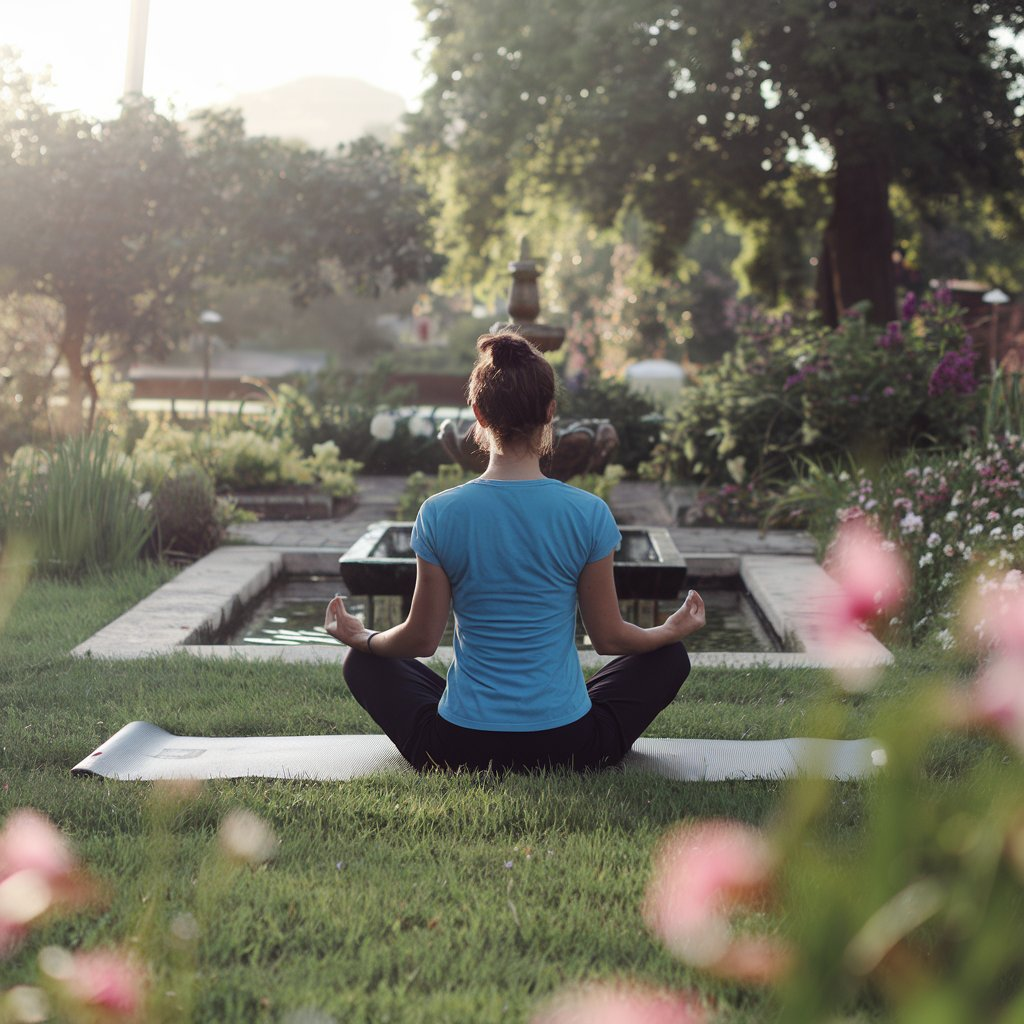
{"x": 207, "y": 320}
{"x": 995, "y": 298}
{"x": 136, "y": 62}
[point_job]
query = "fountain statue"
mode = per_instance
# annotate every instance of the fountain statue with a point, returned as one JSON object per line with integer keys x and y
{"x": 580, "y": 446}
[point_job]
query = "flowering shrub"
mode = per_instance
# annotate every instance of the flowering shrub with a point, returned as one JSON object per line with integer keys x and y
{"x": 959, "y": 517}
{"x": 239, "y": 460}
{"x": 793, "y": 385}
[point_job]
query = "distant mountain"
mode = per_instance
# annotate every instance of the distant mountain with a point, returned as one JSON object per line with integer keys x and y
{"x": 322, "y": 111}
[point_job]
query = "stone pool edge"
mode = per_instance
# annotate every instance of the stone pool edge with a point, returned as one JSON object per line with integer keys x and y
{"x": 791, "y": 591}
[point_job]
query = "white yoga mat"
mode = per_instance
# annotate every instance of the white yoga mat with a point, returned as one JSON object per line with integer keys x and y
{"x": 144, "y": 752}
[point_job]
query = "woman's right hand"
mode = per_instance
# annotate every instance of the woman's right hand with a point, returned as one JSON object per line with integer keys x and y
{"x": 689, "y": 617}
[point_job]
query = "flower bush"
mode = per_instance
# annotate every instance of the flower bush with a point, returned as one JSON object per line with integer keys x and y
{"x": 959, "y": 516}
{"x": 793, "y": 385}
{"x": 238, "y": 460}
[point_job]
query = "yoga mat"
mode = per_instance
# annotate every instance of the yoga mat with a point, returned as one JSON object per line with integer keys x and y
{"x": 145, "y": 752}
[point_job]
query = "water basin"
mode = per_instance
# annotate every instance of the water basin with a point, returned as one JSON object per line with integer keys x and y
{"x": 291, "y": 612}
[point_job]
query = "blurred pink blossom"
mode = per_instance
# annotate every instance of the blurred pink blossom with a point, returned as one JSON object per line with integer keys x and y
{"x": 37, "y": 870}
{"x": 700, "y": 873}
{"x": 110, "y": 984}
{"x": 993, "y": 614}
{"x": 997, "y": 698}
{"x": 871, "y": 573}
{"x": 608, "y": 1004}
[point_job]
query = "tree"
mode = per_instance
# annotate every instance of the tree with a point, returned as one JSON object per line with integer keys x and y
{"x": 675, "y": 108}
{"x": 124, "y": 222}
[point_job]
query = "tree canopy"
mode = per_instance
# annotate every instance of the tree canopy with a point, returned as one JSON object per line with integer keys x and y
{"x": 676, "y": 109}
{"x": 124, "y": 222}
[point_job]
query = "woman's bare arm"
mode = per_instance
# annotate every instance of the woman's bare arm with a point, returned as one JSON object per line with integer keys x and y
{"x": 610, "y": 633}
{"x": 416, "y": 637}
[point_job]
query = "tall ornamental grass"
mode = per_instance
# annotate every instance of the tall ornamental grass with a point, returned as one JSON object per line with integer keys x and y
{"x": 77, "y": 507}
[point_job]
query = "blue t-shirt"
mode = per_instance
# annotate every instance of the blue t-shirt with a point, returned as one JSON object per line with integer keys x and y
{"x": 513, "y": 551}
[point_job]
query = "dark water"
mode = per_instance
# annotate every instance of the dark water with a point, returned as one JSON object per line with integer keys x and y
{"x": 292, "y": 612}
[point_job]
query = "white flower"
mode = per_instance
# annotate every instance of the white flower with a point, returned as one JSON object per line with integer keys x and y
{"x": 421, "y": 426}
{"x": 911, "y": 523}
{"x": 888, "y": 545}
{"x": 956, "y": 499}
{"x": 933, "y": 540}
{"x": 245, "y": 836}
{"x": 1018, "y": 531}
{"x": 1017, "y": 513}
{"x": 948, "y": 551}
{"x": 976, "y": 529}
{"x": 870, "y": 504}
{"x": 996, "y": 532}
{"x": 945, "y": 637}
{"x": 951, "y": 517}
{"x": 925, "y": 559}
{"x": 382, "y": 426}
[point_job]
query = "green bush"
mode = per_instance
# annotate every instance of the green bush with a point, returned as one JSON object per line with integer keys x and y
{"x": 240, "y": 460}
{"x": 186, "y": 518}
{"x": 636, "y": 418}
{"x": 794, "y": 386}
{"x": 77, "y": 507}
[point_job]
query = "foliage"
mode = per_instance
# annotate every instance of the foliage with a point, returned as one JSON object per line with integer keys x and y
{"x": 122, "y": 222}
{"x": 419, "y": 486}
{"x": 959, "y": 516}
{"x": 238, "y": 460}
{"x": 631, "y": 106}
{"x": 186, "y": 518}
{"x": 77, "y": 506}
{"x": 794, "y": 386}
{"x": 635, "y": 416}
{"x": 341, "y": 408}
{"x": 1004, "y": 407}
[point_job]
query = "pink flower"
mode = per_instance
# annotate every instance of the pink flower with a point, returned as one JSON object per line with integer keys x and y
{"x": 701, "y": 872}
{"x": 31, "y": 842}
{"x": 871, "y": 574}
{"x": 110, "y": 983}
{"x": 607, "y": 1004}
{"x": 997, "y": 699}
{"x": 37, "y": 870}
{"x": 994, "y": 614}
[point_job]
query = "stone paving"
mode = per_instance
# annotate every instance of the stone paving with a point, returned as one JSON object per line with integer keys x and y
{"x": 638, "y": 503}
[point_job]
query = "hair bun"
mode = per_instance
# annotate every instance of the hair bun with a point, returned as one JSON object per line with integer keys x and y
{"x": 506, "y": 349}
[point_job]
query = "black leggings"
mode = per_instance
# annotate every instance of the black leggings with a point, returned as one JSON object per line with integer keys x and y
{"x": 401, "y": 696}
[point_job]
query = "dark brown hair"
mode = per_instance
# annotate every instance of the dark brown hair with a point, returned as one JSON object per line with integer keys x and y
{"x": 513, "y": 386}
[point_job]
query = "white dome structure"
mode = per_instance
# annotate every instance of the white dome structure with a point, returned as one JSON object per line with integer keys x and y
{"x": 660, "y": 378}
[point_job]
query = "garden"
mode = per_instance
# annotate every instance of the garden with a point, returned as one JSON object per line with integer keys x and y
{"x": 833, "y": 389}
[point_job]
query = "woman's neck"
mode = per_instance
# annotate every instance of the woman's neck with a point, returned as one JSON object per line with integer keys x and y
{"x": 513, "y": 465}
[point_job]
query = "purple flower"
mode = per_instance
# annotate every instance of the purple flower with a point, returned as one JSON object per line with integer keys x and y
{"x": 909, "y": 306}
{"x": 955, "y": 372}
{"x": 888, "y": 391}
{"x": 893, "y": 335}
{"x": 943, "y": 296}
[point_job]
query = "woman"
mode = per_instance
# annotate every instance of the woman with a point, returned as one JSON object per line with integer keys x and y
{"x": 514, "y": 552}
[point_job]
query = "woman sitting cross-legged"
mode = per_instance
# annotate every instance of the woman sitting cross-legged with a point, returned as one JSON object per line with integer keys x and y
{"x": 513, "y": 552}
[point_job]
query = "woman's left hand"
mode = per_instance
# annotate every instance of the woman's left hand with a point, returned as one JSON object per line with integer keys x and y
{"x": 340, "y": 623}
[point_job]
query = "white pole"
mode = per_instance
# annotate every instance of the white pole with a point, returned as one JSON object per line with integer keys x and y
{"x": 136, "y": 63}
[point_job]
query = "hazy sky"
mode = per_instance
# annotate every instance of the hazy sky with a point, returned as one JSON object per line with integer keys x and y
{"x": 205, "y": 51}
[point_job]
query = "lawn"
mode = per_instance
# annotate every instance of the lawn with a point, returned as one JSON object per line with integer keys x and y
{"x": 392, "y": 898}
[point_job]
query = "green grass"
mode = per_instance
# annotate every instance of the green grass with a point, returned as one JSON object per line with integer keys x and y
{"x": 393, "y": 898}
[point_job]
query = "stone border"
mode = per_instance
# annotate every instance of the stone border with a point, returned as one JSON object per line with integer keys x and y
{"x": 791, "y": 591}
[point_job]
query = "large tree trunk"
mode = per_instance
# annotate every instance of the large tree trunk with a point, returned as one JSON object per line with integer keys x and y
{"x": 856, "y": 263}
{"x": 72, "y": 347}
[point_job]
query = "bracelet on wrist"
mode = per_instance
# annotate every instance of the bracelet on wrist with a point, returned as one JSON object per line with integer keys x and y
{"x": 369, "y": 637}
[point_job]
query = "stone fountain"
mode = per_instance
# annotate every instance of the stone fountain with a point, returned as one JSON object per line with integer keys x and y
{"x": 580, "y": 446}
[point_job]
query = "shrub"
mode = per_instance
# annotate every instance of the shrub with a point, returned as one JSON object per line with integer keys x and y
{"x": 958, "y": 516}
{"x": 237, "y": 460}
{"x": 794, "y": 386}
{"x": 77, "y": 506}
{"x": 636, "y": 418}
{"x": 186, "y": 518}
